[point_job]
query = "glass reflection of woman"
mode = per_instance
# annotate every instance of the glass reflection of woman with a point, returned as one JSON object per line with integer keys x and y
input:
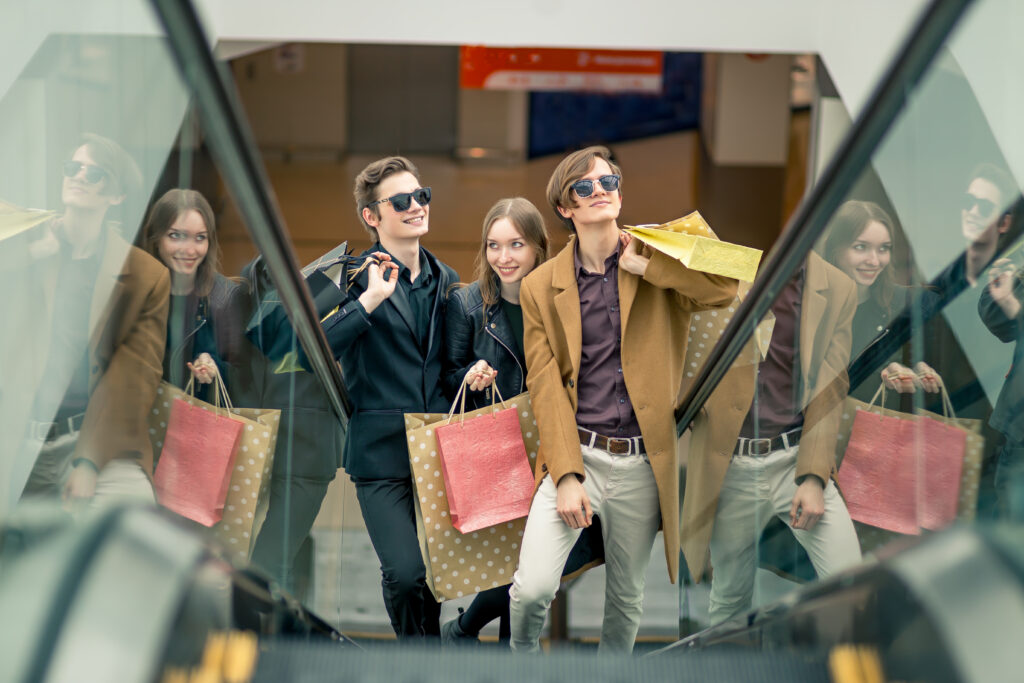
{"x": 860, "y": 243}
{"x": 484, "y": 347}
{"x": 205, "y": 328}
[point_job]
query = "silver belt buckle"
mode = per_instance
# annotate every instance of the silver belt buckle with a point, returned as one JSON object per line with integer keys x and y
{"x": 40, "y": 430}
{"x": 767, "y": 443}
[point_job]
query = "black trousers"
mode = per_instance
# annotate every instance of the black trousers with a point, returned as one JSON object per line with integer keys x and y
{"x": 388, "y": 511}
{"x": 294, "y": 505}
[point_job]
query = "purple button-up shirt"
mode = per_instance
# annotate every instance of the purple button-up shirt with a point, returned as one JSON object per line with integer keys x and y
{"x": 603, "y": 402}
{"x": 776, "y": 405}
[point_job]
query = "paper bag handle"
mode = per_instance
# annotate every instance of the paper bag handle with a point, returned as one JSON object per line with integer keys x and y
{"x": 460, "y": 400}
{"x": 947, "y": 404}
{"x": 220, "y": 392}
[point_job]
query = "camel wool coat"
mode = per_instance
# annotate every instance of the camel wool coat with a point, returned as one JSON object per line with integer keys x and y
{"x": 828, "y": 303}
{"x": 655, "y": 312}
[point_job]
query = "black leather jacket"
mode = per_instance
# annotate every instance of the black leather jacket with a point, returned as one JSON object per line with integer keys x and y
{"x": 473, "y": 333}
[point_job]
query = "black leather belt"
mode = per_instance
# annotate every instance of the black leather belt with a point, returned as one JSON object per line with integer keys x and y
{"x": 633, "y": 445}
{"x": 50, "y": 431}
{"x": 762, "y": 447}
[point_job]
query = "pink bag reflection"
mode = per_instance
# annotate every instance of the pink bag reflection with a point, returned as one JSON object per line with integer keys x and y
{"x": 195, "y": 465}
{"x": 487, "y": 474}
{"x": 902, "y": 473}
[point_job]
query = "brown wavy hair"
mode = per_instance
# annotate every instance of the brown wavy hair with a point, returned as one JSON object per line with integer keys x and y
{"x": 530, "y": 224}
{"x": 365, "y": 189}
{"x": 846, "y": 226}
{"x": 171, "y": 206}
{"x": 569, "y": 170}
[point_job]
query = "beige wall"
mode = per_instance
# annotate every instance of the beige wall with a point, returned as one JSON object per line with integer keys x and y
{"x": 316, "y": 199}
{"x": 303, "y": 112}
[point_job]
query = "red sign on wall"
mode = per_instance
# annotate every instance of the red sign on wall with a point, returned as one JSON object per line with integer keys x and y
{"x": 520, "y": 68}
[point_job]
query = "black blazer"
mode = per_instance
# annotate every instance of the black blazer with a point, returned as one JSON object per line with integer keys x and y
{"x": 386, "y": 371}
{"x": 474, "y": 333}
{"x": 309, "y": 440}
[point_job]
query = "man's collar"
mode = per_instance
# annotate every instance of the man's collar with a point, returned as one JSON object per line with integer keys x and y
{"x": 403, "y": 270}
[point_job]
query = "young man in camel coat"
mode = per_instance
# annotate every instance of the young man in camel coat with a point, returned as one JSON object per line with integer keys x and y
{"x": 605, "y": 334}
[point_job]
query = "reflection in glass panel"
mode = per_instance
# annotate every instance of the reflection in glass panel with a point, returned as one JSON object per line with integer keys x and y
{"x": 878, "y": 403}
{"x": 145, "y": 357}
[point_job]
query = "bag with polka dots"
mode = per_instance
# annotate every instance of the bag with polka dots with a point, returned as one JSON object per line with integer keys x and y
{"x": 249, "y": 485}
{"x": 966, "y": 494}
{"x": 461, "y": 564}
{"x": 706, "y": 329}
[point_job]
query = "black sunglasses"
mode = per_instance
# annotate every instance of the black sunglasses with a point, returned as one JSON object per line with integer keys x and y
{"x": 403, "y": 200}
{"x": 985, "y": 207}
{"x": 93, "y": 174}
{"x": 585, "y": 188}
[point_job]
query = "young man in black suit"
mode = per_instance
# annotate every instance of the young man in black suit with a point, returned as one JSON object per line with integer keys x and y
{"x": 388, "y": 335}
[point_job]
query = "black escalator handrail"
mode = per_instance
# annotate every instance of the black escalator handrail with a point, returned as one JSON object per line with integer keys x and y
{"x": 813, "y": 214}
{"x": 231, "y": 143}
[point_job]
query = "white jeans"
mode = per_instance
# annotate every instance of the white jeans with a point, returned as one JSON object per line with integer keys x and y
{"x": 624, "y": 494}
{"x": 756, "y": 488}
{"x": 120, "y": 480}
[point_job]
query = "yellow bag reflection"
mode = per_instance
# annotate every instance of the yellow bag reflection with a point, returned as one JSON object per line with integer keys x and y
{"x": 15, "y": 220}
{"x": 692, "y": 241}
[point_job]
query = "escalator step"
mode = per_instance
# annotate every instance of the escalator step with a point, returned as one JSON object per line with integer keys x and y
{"x": 304, "y": 662}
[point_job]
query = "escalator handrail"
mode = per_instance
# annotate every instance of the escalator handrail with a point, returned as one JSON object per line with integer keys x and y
{"x": 811, "y": 217}
{"x": 231, "y": 143}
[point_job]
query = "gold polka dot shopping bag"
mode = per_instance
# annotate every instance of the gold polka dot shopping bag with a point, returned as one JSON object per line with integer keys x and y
{"x": 248, "y": 489}
{"x": 462, "y": 564}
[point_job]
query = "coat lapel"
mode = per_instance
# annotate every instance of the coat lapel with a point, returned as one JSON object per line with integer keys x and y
{"x": 114, "y": 267}
{"x": 628, "y": 285}
{"x": 400, "y": 302}
{"x": 567, "y": 303}
{"x": 812, "y": 311}
{"x": 440, "y": 293}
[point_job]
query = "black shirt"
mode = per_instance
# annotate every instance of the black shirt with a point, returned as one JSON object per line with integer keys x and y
{"x": 66, "y": 379}
{"x": 420, "y": 294}
{"x": 514, "y": 313}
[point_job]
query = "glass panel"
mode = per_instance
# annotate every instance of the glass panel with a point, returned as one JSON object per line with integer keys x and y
{"x": 913, "y": 295}
{"x": 104, "y": 150}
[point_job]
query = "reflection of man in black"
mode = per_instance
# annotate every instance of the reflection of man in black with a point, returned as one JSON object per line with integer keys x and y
{"x": 1000, "y": 309}
{"x": 984, "y": 223}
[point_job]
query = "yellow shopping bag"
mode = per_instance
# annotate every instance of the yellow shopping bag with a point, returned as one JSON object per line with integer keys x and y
{"x": 15, "y": 220}
{"x": 692, "y": 241}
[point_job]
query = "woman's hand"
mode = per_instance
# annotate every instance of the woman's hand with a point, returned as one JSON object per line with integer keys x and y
{"x": 480, "y": 376}
{"x": 203, "y": 368}
{"x": 900, "y": 378}
{"x": 906, "y": 381}
{"x": 382, "y": 279}
{"x": 631, "y": 258}
{"x": 930, "y": 380}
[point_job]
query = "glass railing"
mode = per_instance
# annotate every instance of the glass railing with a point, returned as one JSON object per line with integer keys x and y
{"x": 865, "y": 393}
{"x": 161, "y": 341}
